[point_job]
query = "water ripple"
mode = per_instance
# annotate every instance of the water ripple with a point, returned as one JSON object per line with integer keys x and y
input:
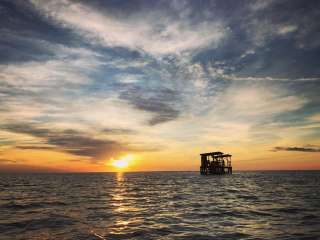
{"x": 246, "y": 205}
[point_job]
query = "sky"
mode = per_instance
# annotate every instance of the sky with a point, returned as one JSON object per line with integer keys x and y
{"x": 86, "y": 83}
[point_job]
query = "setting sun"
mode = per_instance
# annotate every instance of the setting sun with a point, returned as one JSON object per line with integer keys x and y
{"x": 123, "y": 162}
{"x": 120, "y": 163}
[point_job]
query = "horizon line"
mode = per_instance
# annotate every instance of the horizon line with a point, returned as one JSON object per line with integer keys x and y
{"x": 154, "y": 171}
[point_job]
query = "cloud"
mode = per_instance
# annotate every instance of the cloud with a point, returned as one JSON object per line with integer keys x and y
{"x": 314, "y": 118}
{"x": 71, "y": 141}
{"x": 259, "y": 5}
{"x": 266, "y": 78}
{"x": 118, "y": 131}
{"x": 27, "y": 36}
{"x": 15, "y": 48}
{"x": 71, "y": 65}
{"x": 255, "y": 100}
{"x": 160, "y": 102}
{"x": 225, "y": 72}
{"x": 6, "y": 161}
{"x": 297, "y": 149}
{"x": 96, "y": 148}
{"x": 267, "y": 21}
{"x": 152, "y": 31}
{"x": 31, "y": 147}
{"x": 247, "y": 53}
{"x": 129, "y": 78}
{"x": 240, "y": 113}
{"x": 283, "y": 30}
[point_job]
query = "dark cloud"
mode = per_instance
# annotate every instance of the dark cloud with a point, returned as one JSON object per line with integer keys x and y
{"x": 297, "y": 149}
{"x": 76, "y": 142}
{"x": 87, "y": 146}
{"x": 158, "y": 101}
{"x": 27, "y": 35}
{"x": 71, "y": 141}
{"x": 31, "y": 147}
{"x": 281, "y": 37}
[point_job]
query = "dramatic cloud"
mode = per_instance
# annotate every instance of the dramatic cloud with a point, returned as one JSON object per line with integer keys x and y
{"x": 152, "y": 32}
{"x": 71, "y": 141}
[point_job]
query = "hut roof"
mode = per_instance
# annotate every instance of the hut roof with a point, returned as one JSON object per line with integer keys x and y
{"x": 220, "y": 154}
{"x": 211, "y": 153}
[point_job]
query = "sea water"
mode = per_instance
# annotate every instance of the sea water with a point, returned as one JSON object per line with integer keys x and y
{"x": 160, "y": 205}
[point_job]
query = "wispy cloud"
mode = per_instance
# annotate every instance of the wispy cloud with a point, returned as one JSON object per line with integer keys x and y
{"x": 151, "y": 32}
{"x": 223, "y": 72}
{"x": 258, "y": 100}
{"x": 248, "y": 78}
{"x": 71, "y": 65}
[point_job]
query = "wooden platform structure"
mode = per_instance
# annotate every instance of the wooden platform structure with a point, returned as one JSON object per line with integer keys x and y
{"x": 215, "y": 163}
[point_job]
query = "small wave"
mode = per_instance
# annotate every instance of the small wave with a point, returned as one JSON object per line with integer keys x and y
{"x": 289, "y": 210}
{"x": 15, "y": 206}
{"x": 310, "y": 217}
{"x": 52, "y": 222}
{"x": 234, "y": 235}
{"x": 32, "y": 205}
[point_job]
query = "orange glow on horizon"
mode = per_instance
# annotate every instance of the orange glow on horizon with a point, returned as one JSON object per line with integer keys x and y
{"x": 54, "y": 161}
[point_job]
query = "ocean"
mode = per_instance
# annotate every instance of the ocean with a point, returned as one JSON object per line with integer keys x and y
{"x": 160, "y": 205}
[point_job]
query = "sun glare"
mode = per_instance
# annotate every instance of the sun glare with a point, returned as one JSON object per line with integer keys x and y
{"x": 120, "y": 163}
{"x": 123, "y": 162}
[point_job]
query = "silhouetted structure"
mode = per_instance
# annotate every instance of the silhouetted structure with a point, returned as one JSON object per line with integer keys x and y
{"x": 215, "y": 163}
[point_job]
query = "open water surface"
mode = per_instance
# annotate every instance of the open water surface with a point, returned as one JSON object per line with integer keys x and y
{"x": 160, "y": 205}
